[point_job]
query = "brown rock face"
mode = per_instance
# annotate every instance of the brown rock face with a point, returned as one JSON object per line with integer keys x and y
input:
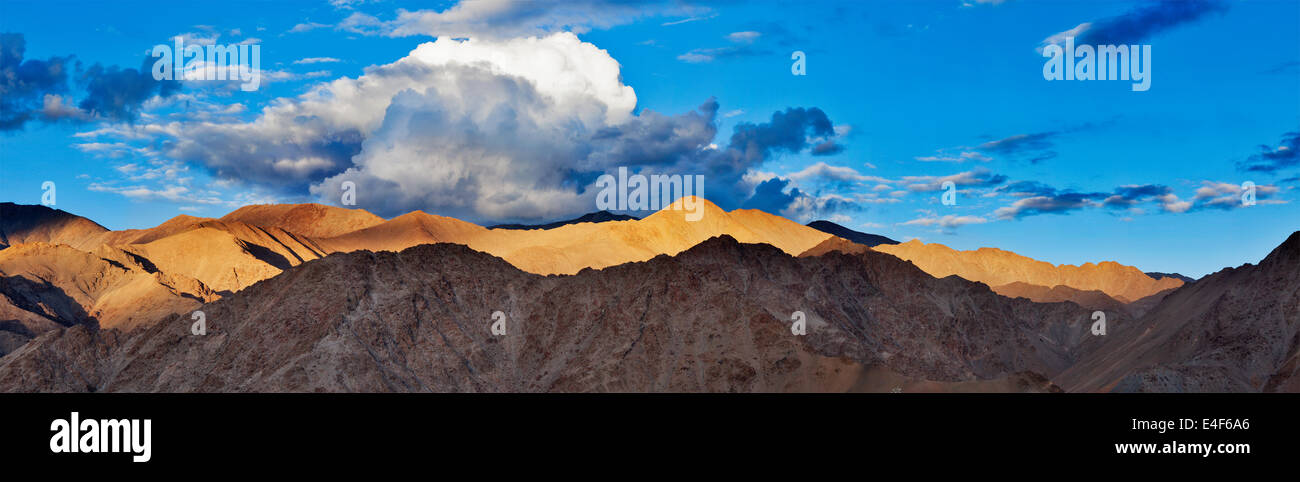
{"x": 716, "y": 317}
{"x": 996, "y": 267}
{"x": 1232, "y": 331}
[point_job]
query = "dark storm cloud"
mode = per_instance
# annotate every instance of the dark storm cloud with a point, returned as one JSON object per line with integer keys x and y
{"x": 788, "y": 131}
{"x": 35, "y": 89}
{"x": 117, "y": 93}
{"x": 770, "y": 196}
{"x": 24, "y": 84}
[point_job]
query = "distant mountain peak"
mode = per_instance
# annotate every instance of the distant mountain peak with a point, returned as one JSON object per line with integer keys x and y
{"x": 849, "y": 234}
{"x": 24, "y": 223}
{"x": 1158, "y": 275}
{"x": 593, "y": 217}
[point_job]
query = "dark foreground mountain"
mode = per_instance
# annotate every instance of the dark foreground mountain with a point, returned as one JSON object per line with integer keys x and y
{"x": 716, "y": 317}
{"x": 1237, "y": 330}
{"x": 856, "y": 236}
{"x": 596, "y": 217}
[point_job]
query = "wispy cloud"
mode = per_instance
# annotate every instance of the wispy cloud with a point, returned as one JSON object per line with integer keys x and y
{"x": 316, "y": 60}
{"x": 307, "y": 27}
{"x": 748, "y": 36}
{"x": 947, "y": 221}
{"x": 688, "y": 20}
{"x": 510, "y": 19}
{"x": 974, "y": 178}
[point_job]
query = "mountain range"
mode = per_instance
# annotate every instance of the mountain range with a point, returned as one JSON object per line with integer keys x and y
{"x": 308, "y": 297}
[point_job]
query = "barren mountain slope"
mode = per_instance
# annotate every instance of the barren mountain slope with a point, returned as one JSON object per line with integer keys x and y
{"x": 1094, "y": 299}
{"x": 172, "y": 226}
{"x": 835, "y": 244}
{"x": 996, "y": 267}
{"x": 227, "y": 255}
{"x": 22, "y": 223}
{"x": 714, "y": 318}
{"x": 1235, "y": 330}
{"x": 108, "y": 287}
{"x": 569, "y": 248}
{"x": 256, "y": 242}
{"x": 404, "y": 231}
{"x": 311, "y": 220}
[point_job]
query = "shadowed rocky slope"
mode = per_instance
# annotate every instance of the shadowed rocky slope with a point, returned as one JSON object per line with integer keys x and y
{"x": 44, "y": 286}
{"x": 714, "y": 318}
{"x": 1232, "y": 331}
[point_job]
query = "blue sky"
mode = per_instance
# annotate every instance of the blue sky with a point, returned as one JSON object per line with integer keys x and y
{"x": 914, "y": 93}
